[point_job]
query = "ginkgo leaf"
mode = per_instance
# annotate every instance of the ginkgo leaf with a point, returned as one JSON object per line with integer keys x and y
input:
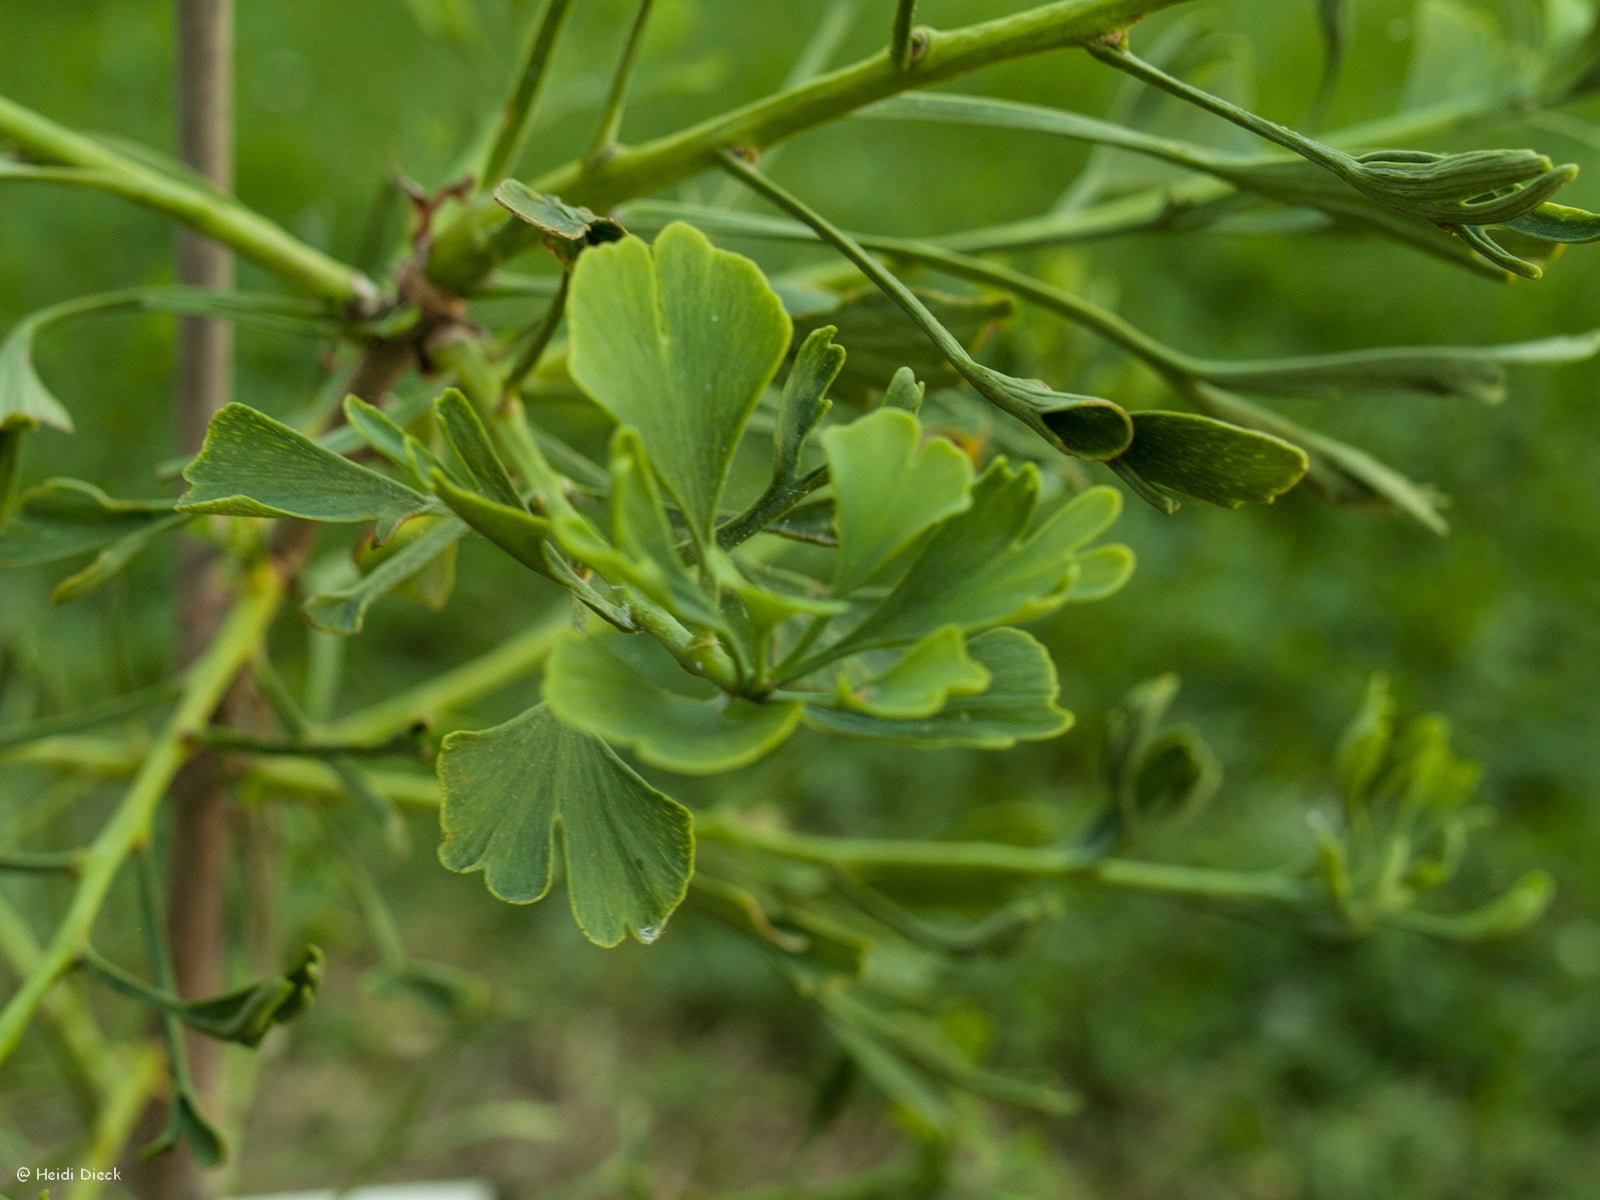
{"x": 1019, "y": 703}
{"x": 25, "y": 401}
{"x": 514, "y": 793}
{"x": 380, "y": 431}
{"x": 667, "y": 717}
{"x": 63, "y": 518}
{"x": 253, "y": 466}
{"x": 805, "y": 402}
{"x": 245, "y": 1015}
{"x": 515, "y": 530}
{"x": 479, "y": 461}
{"x": 677, "y": 341}
{"x": 564, "y": 228}
{"x": 888, "y": 489}
{"x": 343, "y": 612}
{"x": 1102, "y": 572}
{"x": 1211, "y": 460}
{"x": 1000, "y": 560}
{"x": 919, "y": 682}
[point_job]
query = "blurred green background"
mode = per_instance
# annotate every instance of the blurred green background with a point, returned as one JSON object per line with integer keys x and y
{"x": 1218, "y": 1058}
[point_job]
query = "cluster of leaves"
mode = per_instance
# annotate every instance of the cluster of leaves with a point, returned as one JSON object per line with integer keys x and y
{"x": 700, "y": 657}
{"x": 1404, "y": 824}
{"x": 872, "y": 585}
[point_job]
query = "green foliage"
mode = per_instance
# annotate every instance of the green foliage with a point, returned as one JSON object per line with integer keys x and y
{"x": 254, "y": 466}
{"x": 517, "y": 794}
{"x": 1210, "y": 460}
{"x": 1016, "y": 703}
{"x": 245, "y": 1015}
{"x": 677, "y": 343}
{"x": 782, "y": 513}
{"x": 875, "y": 464}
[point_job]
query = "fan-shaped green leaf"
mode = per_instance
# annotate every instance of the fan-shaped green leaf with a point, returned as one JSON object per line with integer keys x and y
{"x": 510, "y": 791}
{"x": 1102, "y": 572}
{"x": 515, "y": 530}
{"x": 678, "y": 342}
{"x": 918, "y": 683}
{"x": 469, "y": 440}
{"x": 564, "y": 228}
{"x": 669, "y": 719}
{"x": 805, "y": 402}
{"x": 1000, "y": 560}
{"x": 247, "y": 1015}
{"x": 888, "y": 489}
{"x": 1018, "y": 705}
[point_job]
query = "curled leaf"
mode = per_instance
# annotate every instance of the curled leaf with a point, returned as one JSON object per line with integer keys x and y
{"x": 1211, "y": 460}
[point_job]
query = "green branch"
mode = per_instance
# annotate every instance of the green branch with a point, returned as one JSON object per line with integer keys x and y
{"x": 955, "y": 862}
{"x": 900, "y": 43}
{"x": 511, "y": 135}
{"x": 604, "y": 143}
{"x": 189, "y": 201}
{"x": 129, "y": 826}
{"x": 511, "y": 660}
{"x": 482, "y": 237}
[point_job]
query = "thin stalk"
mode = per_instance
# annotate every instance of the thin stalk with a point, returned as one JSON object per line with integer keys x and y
{"x": 871, "y": 856}
{"x": 482, "y": 236}
{"x": 177, "y": 1168}
{"x": 900, "y": 47}
{"x": 511, "y": 134}
{"x": 42, "y": 862}
{"x": 129, "y": 826}
{"x": 96, "y": 714}
{"x": 1486, "y": 194}
{"x": 813, "y": 60}
{"x": 604, "y": 143}
{"x": 780, "y": 498}
{"x": 511, "y": 660}
{"x": 528, "y": 360}
{"x": 213, "y": 213}
{"x": 881, "y": 277}
{"x": 1083, "y": 426}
